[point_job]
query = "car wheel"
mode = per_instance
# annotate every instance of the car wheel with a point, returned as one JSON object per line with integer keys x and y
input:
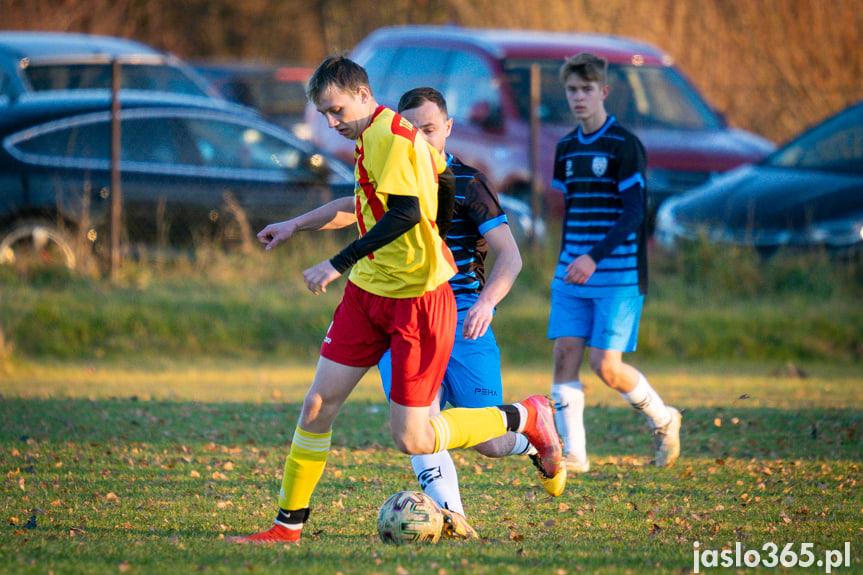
{"x": 30, "y": 243}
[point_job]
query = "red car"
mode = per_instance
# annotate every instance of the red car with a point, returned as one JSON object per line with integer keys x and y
{"x": 485, "y": 76}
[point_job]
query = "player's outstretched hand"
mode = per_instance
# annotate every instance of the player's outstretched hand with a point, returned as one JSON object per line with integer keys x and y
{"x": 319, "y": 276}
{"x": 274, "y": 234}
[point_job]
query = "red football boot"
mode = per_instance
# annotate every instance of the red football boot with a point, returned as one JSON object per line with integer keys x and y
{"x": 275, "y": 534}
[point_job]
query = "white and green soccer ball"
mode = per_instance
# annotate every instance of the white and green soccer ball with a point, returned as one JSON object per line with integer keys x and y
{"x": 410, "y": 517}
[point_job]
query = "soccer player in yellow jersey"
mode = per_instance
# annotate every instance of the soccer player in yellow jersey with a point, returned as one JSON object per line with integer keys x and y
{"x": 397, "y": 297}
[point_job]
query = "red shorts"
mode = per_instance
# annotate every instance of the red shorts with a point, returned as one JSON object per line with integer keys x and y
{"x": 419, "y": 332}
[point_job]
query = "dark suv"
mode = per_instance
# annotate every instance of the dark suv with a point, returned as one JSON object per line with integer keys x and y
{"x": 194, "y": 171}
{"x": 485, "y": 76}
{"x": 43, "y": 61}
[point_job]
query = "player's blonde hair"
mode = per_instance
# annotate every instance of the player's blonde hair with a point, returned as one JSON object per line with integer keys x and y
{"x": 586, "y": 66}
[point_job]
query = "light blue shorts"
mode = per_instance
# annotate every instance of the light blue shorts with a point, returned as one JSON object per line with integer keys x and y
{"x": 604, "y": 323}
{"x": 472, "y": 376}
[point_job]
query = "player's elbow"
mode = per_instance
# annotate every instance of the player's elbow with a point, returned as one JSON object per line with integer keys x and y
{"x": 511, "y": 260}
{"x": 517, "y": 263}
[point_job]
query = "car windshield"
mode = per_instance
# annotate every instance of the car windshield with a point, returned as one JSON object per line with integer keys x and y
{"x": 64, "y": 76}
{"x": 834, "y": 146}
{"x": 639, "y": 96}
{"x": 274, "y": 96}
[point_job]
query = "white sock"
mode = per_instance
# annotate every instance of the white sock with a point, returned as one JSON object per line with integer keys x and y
{"x": 438, "y": 479}
{"x": 522, "y": 446}
{"x": 569, "y": 417}
{"x": 645, "y": 399}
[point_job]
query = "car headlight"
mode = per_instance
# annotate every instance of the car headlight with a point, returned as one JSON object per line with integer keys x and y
{"x": 837, "y": 233}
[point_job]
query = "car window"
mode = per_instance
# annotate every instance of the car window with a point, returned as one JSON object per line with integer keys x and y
{"x": 470, "y": 84}
{"x": 90, "y": 141}
{"x": 656, "y": 97}
{"x": 44, "y": 77}
{"x": 835, "y": 145}
{"x": 639, "y": 96}
{"x": 152, "y": 140}
{"x": 413, "y": 67}
{"x": 376, "y": 68}
{"x": 229, "y": 145}
{"x": 5, "y": 85}
{"x": 156, "y": 140}
{"x": 176, "y": 141}
{"x": 553, "y": 107}
{"x": 274, "y": 96}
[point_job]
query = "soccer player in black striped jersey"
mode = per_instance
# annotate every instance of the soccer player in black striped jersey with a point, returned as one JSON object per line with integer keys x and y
{"x": 601, "y": 277}
{"x": 473, "y": 375}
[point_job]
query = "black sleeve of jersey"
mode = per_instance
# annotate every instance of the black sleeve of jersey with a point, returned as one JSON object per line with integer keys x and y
{"x": 445, "y": 201}
{"x": 403, "y": 213}
{"x": 633, "y": 161}
{"x": 629, "y": 221}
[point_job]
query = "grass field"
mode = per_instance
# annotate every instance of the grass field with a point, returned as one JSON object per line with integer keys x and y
{"x": 704, "y": 304}
{"x": 145, "y": 419}
{"x": 118, "y": 468}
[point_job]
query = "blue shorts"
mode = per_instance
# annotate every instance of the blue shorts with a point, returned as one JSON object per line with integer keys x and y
{"x": 472, "y": 377}
{"x": 604, "y": 323}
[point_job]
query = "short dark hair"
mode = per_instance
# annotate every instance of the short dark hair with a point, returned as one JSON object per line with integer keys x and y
{"x": 418, "y": 96}
{"x": 339, "y": 72}
{"x": 586, "y": 66}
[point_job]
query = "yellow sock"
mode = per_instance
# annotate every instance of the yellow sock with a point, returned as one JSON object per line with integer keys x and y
{"x": 466, "y": 427}
{"x": 303, "y": 468}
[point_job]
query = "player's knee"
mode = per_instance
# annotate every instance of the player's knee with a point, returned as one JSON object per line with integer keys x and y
{"x": 316, "y": 409}
{"x": 606, "y": 367}
{"x": 412, "y": 445}
{"x": 567, "y": 355}
{"x": 562, "y": 351}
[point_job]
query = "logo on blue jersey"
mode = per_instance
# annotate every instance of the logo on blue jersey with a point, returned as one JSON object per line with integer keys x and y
{"x": 600, "y": 164}
{"x": 569, "y": 168}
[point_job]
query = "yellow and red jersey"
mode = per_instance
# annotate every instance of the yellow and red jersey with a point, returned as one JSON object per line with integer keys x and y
{"x": 392, "y": 158}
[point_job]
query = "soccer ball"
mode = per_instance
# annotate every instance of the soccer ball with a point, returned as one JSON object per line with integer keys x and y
{"x": 410, "y": 517}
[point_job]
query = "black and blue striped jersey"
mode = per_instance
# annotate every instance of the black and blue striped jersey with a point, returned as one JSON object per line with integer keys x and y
{"x": 477, "y": 210}
{"x": 602, "y": 177}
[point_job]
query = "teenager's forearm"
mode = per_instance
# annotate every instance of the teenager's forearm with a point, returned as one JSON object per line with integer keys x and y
{"x": 629, "y": 221}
